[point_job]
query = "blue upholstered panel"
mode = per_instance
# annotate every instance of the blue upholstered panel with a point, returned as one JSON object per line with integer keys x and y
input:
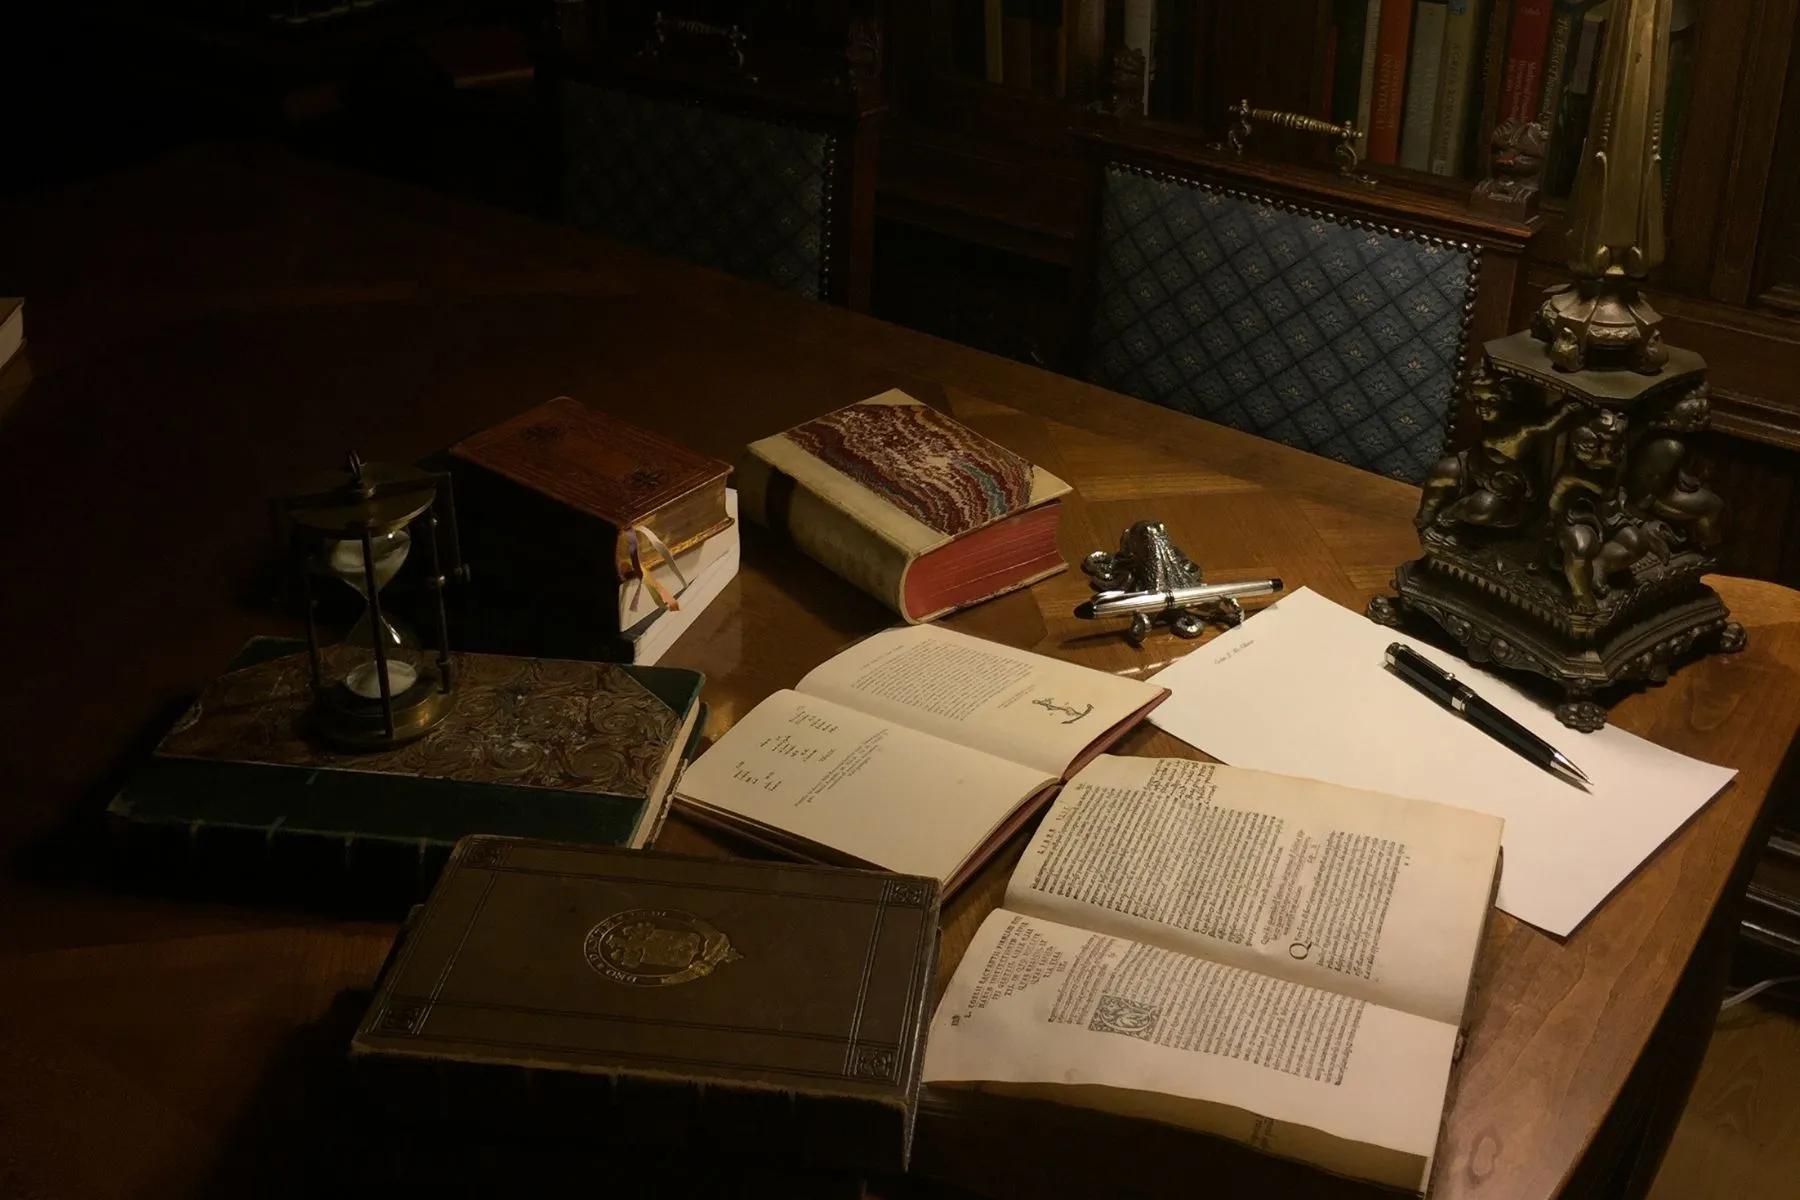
{"x": 742, "y": 195}
{"x": 1339, "y": 340}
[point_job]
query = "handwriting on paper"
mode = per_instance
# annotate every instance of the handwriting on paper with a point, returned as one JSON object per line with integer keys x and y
{"x": 1073, "y": 714}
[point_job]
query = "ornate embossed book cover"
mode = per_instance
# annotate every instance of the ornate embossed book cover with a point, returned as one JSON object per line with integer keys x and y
{"x": 543, "y": 747}
{"x": 554, "y": 507}
{"x": 738, "y": 1008}
{"x": 907, "y": 503}
{"x": 610, "y": 470}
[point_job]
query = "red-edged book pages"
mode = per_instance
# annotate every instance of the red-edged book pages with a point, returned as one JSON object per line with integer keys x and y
{"x": 1390, "y": 81}
{"x": 908, "y": 504}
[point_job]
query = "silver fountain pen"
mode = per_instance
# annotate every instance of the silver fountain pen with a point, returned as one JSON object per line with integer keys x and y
{"x": 1125, "y": 604}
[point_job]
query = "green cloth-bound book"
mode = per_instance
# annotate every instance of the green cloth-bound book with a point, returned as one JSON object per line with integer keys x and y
{"x": 546, "y": 748}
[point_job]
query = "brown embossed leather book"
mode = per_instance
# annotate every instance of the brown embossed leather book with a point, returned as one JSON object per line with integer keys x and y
{"x": 578, "y": 751}
{"x": 608, "y": 469}
{"x": 563, "y": 510}
{"x": 768, "y": 1010}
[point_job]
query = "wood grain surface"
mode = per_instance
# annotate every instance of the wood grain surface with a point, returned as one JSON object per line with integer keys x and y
{"x": 210, "y": 328}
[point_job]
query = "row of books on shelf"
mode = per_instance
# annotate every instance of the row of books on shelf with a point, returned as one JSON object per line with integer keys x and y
{"x": 1411, "y": 75}
{"x": 1042, "y": 45}
{"x": 1020, "y": 43}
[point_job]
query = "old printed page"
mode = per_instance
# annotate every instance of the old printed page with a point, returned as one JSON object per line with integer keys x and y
{"x": 859, "y": 785}
{"x": 1027, "y": 707}
{"x": 1380, "y": 898}
{"x": 1042, "y": 1009}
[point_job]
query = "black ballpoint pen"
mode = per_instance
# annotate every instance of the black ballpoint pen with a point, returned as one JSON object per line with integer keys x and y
{"x": 1426, "y": 676}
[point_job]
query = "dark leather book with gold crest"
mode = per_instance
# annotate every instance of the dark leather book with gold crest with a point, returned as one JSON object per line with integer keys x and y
{"x": 563, "y": 507}
{"x": 741, "y": 1009}
{"x": 582, "y": 751}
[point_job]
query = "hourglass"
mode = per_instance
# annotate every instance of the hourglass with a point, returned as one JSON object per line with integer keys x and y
{"x": 378, "y": 687}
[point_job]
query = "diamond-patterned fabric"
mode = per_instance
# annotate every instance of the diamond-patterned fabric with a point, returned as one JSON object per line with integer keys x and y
{"x": 1343, "y": 341}
{"x": 745, "y": 196}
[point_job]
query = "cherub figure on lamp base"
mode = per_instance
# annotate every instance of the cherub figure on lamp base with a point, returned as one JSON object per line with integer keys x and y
{"x": 1570, "y": 541}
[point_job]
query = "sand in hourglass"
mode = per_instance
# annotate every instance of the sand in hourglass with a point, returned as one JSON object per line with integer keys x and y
{"x": 345, "y": 559}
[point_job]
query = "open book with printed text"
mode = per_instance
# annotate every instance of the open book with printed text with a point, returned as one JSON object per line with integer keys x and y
{"x": 919, "y": 750}
{"x": 1273, "y": 960}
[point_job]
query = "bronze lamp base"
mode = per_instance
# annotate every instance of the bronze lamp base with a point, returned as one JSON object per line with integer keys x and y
{"x": 1570, "y": 541}
{"x": 1639, "y": 646}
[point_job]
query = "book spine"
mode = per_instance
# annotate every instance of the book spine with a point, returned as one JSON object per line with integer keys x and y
{"x": 1087, "y": 54}
{"x": 1563, "y": 157}
{"x": 1348, "y": 20}
{"x": 1521, "y": 86}
{"x": 968, "y": 44}
{"x": 1140, "y": 34}
{"x": 1390, "y": 81}
{"x": 994, "y": 33}
{"x": 1680, "y": 96}
{"x": 1328, "y": 87}
{"x": 1422, "y": 83}
{"x": 1563, "y": 21}
{"x": 1171, "y": 46}
{"x": 1456, "y": 86}
{"x": 365, "y": 874}
{"x": 1048, "y": 65}
{"x": 1365, "y": 84}
{"x": 823, "y": 531}
{"x": 1017, "y": 42}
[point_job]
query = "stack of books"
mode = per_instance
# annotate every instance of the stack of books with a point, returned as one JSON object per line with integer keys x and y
{"x": 589, "y": 537}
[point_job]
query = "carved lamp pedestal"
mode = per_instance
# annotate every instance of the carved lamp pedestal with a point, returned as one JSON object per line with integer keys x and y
{"x": 1570, "y": 542}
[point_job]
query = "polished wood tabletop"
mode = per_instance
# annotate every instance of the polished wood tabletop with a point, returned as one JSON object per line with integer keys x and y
{"x": 207, "y": 329}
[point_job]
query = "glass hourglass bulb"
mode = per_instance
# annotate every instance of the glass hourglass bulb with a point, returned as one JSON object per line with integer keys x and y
{"x": 345, "y": 560}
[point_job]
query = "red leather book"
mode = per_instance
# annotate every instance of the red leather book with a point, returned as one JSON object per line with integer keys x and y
{"x": 1522, "y": 84}
{"x": 908, "y": 504}
{"x": 1389, "y": 108}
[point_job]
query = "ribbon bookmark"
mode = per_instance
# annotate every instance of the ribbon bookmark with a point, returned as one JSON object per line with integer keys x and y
{"x": 640, "y": 538}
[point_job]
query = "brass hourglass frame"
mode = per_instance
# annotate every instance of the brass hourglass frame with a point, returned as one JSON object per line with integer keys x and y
{"x": 360, "y": 503}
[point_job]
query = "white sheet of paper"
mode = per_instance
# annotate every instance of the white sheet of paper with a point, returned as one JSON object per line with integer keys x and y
{"x": 1301, "y": 688}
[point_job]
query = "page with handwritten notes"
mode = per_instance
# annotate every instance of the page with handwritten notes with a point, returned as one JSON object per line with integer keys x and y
{"x": 833, "y": 784}
{"x": 918, "y": 749}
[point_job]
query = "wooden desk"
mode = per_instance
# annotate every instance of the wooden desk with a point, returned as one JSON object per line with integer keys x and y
{"x": 211, "y": 327}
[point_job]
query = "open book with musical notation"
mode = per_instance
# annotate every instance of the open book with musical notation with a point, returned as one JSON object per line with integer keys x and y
{"x": 918, "y": 749}
{"x": 1273, "y": 960}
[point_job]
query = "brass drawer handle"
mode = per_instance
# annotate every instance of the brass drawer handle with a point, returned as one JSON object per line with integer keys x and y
{"x": 1349, "y": 154}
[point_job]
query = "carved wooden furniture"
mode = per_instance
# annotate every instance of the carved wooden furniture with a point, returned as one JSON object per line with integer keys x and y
{"x": 708, "y": 143}
{"x": 977, "y": 162}
{"x": 1303, "y": 307}
{"x": 162, "y": 1046}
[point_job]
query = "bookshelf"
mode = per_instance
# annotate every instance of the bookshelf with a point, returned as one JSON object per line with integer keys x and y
{"x": 973, "y": 158}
